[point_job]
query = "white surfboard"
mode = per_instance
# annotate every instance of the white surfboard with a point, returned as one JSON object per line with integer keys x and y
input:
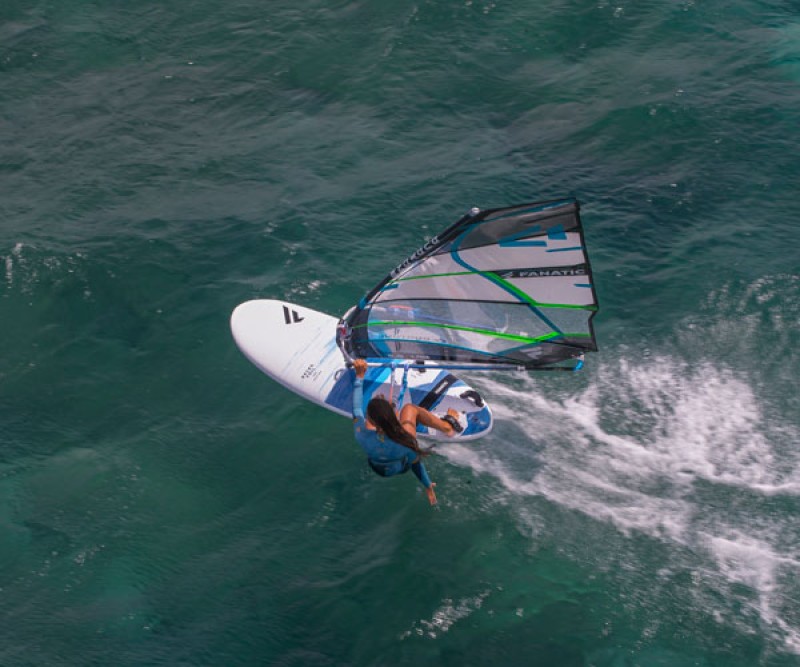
{"x": 296, "y": 346}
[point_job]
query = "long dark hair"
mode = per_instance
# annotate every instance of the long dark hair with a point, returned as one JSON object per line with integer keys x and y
{"x": 381, "y": 413}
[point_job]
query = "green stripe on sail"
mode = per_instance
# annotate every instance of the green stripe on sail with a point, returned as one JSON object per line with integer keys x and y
{"x": 495, "y": 278}
{"x": 483, "y": 332}
{"x": 522, "y": 296}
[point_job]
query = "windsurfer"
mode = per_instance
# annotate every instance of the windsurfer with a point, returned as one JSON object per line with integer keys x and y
{"x": 390, "y": 442}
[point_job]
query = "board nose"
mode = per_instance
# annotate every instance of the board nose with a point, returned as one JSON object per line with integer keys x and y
{"x": 272, "y": 333}
{"x": 257, "y": 325}
{"x": 265, "y": 314}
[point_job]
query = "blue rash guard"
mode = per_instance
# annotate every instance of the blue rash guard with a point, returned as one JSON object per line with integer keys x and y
{"x": 385, "y": 456}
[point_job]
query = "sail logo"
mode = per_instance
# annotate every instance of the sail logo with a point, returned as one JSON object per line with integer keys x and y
{"x": 419, "y": 253}
{"x": 291, "y": 317}
{"x": 542, "y": 273}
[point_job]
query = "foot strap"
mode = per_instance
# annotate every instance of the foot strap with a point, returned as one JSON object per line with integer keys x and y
{"x": 433, "y": 396}
{"x": 473, "y": 396}
{"x": 453, "y": 422}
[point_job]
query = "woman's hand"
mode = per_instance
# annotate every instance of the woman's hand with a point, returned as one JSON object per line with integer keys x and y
{"x": 360, "y": 367}
{"x": 431, "y": 494}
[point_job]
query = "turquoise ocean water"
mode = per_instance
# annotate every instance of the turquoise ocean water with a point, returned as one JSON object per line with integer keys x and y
{"x": 164, "y": 503}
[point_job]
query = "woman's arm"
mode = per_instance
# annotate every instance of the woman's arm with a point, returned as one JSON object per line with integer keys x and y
{"x": 418, "y": 468}
{"x": 360, "y": 367}
{"x": 358, "y": 398}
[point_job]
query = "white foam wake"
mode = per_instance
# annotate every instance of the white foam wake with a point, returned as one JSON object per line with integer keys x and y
{"x": 642, "y": 447}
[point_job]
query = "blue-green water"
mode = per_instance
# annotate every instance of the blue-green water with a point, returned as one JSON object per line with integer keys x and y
{"x": 163, "y": 503}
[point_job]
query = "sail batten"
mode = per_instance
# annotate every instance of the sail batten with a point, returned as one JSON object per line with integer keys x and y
{"x": 510, "y": 286}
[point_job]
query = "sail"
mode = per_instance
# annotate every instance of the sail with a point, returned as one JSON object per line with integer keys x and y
{"x": 502, "y": 287}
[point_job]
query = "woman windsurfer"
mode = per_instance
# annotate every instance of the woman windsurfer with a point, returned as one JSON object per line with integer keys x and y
{"x": 390, "y": 442}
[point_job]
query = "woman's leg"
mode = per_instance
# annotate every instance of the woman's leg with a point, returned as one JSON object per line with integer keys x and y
{"x": 412, "y": 414}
